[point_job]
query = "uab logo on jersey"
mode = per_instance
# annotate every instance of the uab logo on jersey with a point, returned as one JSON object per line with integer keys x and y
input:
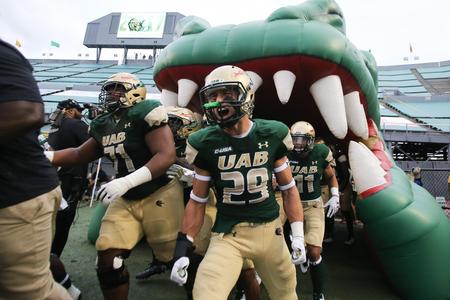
{"x": 113, "y": 139}
{"x": 304, "y": 169}
{"x": 227, "y": 162}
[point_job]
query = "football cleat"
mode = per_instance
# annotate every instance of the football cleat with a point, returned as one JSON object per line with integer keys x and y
{"x": 350, "y": 241}
{"x": 304, "y": 266}
{"x": 74, "y": 292}
{"x": 155, "y": 267}
{"x": 328, "y": 240}
{"x": 319, "y": 296}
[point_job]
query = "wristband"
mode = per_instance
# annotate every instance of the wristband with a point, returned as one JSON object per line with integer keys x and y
{"x": 199, "y": 199}
{"x": 202, "y": 177}
{"x": 287, "y": 186}
{"x": 184, "y": 246}
{"x": 334, "y": 191}
{"x": 297, "y": 229}
{"x": 138, "y": 177}
{"x": 284, "y": 166}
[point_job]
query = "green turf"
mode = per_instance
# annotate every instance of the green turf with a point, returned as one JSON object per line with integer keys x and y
{"x": 351, "y": 273}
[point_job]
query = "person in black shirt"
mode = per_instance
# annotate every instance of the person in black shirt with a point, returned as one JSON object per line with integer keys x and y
{"x": 30, "y": 194}
{"x": 69, "y": 132}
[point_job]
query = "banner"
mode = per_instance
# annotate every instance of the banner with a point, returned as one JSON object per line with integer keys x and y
{"x": 141, "y": 25}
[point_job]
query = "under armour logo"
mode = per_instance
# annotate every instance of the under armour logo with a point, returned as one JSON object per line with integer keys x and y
{"x": 265, "y": 144}
{"x": 127, "y": 125}
{"x": 314, "y": 162}
{"x": 159, "y": 203}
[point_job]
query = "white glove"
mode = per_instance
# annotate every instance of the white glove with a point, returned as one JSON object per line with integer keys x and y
{"x": 183, "y": 174}
{"x": 112, "y": 190}
{"x": 117, "y": 187}
{"x": 179, "y": 272}
{"x": 49, "y": 155}
{"x": 333, "y": 203}
{"x": 298, "y": 250}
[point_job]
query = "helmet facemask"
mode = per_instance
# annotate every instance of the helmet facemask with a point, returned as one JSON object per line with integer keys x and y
{"x": 182, "y": 123}
{"x": 121, "y": 90}
{"x": 303, "y": 136}
{"x": 303, "y": 143}
{"x": 231, "y": 107}
{"x": 112, "y": 95}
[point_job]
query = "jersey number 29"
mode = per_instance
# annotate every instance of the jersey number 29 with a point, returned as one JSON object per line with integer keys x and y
{"x": 251, "y": 185}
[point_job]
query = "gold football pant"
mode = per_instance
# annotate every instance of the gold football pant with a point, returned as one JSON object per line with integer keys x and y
{"x": 26, "y": 232}
{"x": 261, "y": 243}
{"x": 157, "y": 216}
{"x": 314, "y": 220}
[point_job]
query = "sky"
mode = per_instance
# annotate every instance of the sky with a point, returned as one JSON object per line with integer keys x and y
{"x": 385, "y": 27}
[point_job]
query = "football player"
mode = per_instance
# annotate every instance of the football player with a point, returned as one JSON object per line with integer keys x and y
{"x": 238, "y": 156}
{"x": 309, "y": 162}
{"x": 344, "y": 177}
{"x": 183, "y": 122}
{"x": 134, "y": 134}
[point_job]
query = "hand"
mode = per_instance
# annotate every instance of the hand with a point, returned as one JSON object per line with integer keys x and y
{"x": 49, "y": 155}
{"x": 112, "y": 190}
{"x": 298, "y": 250}
{"x": 333, "y": 206}
{"x": 179, "y": 272}
{"x": 183, "y": 174}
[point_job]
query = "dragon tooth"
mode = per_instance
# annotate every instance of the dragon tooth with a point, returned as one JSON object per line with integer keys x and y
{"x": 169, "y": 98}
{"x": 356, "y": 117}
{"x": 284, "y": 83}
{"x": 329, "y": 98}
{"x": 366, "y": 168}
{"x": 186, "y": 89}
{"x": 256, "y": 79}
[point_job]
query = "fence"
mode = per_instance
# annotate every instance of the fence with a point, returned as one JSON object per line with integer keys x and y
{"x": 436, "y": 182}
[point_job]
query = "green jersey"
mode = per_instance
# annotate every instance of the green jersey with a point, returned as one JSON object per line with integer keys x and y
{"x": 122, "y": 141}
{"x": 308, "y": 171}
{"x": 241, "y": 169}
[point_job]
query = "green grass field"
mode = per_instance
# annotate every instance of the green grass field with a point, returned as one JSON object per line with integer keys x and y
{"x": 351, "y": 273}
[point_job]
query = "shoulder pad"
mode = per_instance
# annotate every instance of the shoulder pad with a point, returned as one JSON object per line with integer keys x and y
{"x": 271, "y": 127}
{"x": 149, "y": 110}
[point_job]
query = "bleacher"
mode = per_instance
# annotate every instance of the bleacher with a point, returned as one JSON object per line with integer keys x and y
{"x": 408, "y": 108}
{"x": 419, "y": 94}
{"x": 80, "y": 80}
{"x": 432, "y": 112}
{"x": 415, "y": 79}
{"x": 403, "y": 81}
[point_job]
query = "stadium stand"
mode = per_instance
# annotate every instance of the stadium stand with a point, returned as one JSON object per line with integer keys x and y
{"x": 414, "y": 104}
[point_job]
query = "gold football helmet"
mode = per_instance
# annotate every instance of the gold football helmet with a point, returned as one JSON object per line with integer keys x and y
{"x": 236, "y": 87}
{"x": 303, "y": 135}
{"x": 122, "y": 90}
{"x": 182, "y": 122}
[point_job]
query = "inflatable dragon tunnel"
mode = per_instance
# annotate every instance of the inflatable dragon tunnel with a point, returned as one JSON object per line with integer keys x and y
{"x": 304, "y": 68}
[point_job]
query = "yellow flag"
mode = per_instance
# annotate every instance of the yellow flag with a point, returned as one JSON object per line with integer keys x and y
{"x": 18, "y": 44}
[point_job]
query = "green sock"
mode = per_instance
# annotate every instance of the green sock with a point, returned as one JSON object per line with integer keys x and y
{"x": 317, "y": 272}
